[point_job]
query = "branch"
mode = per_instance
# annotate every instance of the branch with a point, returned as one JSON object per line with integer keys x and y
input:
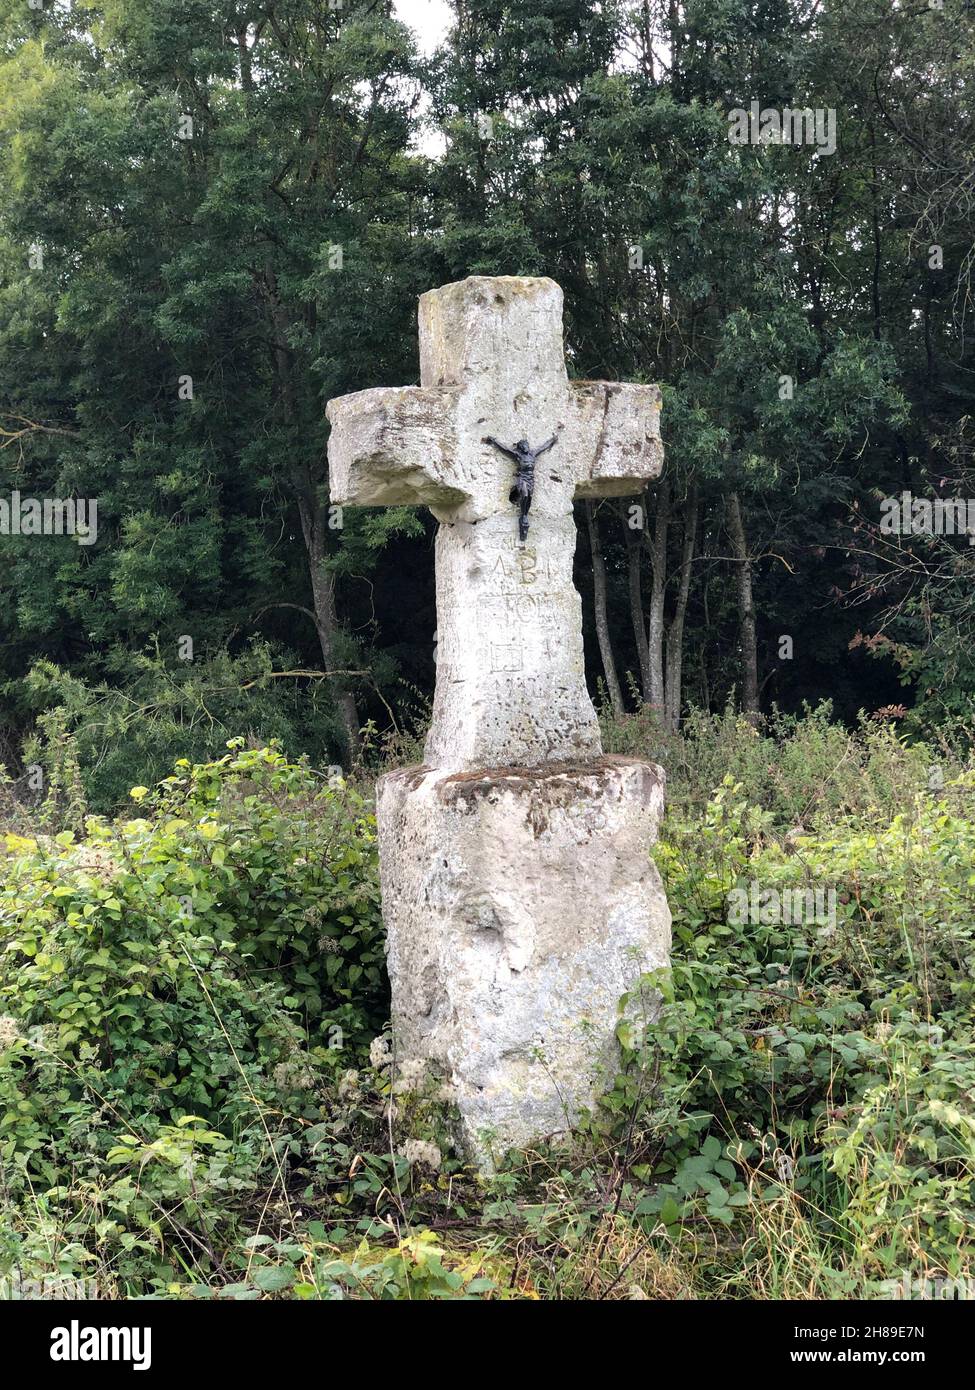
{"x": 311, "y": 675}
{"x": 29, "y": 427}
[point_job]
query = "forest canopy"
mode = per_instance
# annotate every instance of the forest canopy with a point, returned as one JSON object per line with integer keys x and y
{"x": 217, "y": 216}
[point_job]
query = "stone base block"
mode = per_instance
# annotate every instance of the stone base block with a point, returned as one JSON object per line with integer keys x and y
{"x": 520, "y": 905}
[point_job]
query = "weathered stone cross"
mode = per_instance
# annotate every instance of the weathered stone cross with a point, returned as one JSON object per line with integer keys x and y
{"x": 519, "y": 896}
{"x": 510, "y": 681}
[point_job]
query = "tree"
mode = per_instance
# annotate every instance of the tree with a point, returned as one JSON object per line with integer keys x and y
{"x": 226, "y": 212}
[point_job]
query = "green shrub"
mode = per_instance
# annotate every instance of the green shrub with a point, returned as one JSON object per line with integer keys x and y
{"x": 804, "y": 769}
{"x": 196, "y": 1102}
{"x": 218, "y": 955}
{"x": 823, "y": 1065}
{"x": 98, "y": 736}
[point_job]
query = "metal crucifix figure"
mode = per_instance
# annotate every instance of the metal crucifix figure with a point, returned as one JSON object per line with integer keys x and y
{"x": 524, "y": 458}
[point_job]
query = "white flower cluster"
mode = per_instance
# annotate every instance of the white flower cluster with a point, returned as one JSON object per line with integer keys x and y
{"x": 9, "y": 1032}
{"x": 412, "y": 1076}
{"x": 422, "y": 1151}
{"x": 294, "y": 1076}
{"x": 348, "y": 1087}
{"x": 97, "y": 861}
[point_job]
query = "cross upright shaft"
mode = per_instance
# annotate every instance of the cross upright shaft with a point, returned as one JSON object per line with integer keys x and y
{"x": 510, "y": 679}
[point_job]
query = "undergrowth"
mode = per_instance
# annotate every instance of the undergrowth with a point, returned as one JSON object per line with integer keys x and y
{"x": 199, "y": 1100}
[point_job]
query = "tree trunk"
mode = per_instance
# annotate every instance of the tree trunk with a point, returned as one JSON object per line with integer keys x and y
{"x": 658, "y": 558}
{"x": 326, "y": 619}
{"x": 634, "y": 557}
{"x": 602, "y": 619}
{"x": 747, "y": 641}
{"x": 244, "y": 54}
{"x": 313, "y": 524}
{"x": 675, "y": 634}
{"x": 706, "y": 615}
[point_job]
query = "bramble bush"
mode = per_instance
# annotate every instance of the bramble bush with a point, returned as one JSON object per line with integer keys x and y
{"x": 217, "y": 955}
{"x": 820, "y": 1074}
{"x": 197, "y": 1099}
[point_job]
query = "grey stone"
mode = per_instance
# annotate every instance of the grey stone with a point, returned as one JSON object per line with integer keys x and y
{"x": 519, "y": 896}
{"x": 521, "y": 904}
{"x": 510, "y": 682}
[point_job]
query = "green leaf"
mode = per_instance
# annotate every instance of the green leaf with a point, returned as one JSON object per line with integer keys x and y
{"x": 274, "y": 1278}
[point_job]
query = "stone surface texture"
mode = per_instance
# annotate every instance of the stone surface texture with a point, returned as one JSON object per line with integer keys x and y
{"x": 510, "y": 680}
{"x": 521, "y": 904}
{"x": 518, "y": 893}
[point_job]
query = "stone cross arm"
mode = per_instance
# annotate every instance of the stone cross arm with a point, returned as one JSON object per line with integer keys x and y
{"x": 494, "y": 391}
{"x": 492, "y": 364}
{"x": 616, "y": 437}
{"x": 392, "y": 447}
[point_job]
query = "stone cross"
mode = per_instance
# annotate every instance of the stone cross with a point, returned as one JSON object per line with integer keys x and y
{"x": 510, "y": 680}
{"x": 519, "y": 896}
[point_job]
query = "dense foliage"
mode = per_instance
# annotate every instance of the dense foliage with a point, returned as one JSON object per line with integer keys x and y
{"x": 218, "y": 955}
{"x": 198, "y": 1098}
{"x": 215, "y": 216}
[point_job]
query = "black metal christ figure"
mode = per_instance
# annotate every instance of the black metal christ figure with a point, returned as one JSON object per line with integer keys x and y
{"x": 524, "y": 458}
